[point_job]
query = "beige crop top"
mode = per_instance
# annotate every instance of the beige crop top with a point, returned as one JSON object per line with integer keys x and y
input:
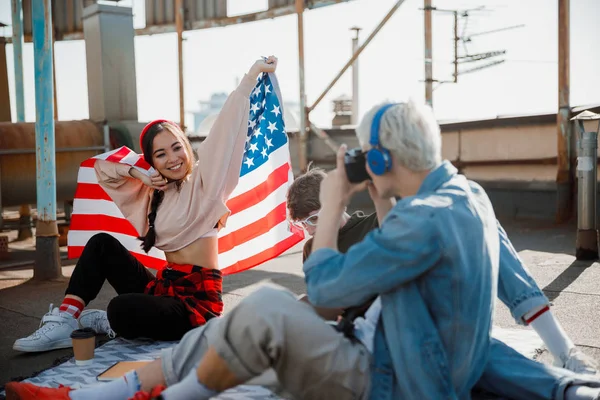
{"x": 193, "y": 211}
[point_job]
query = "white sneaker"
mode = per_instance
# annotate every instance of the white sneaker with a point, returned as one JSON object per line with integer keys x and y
{"x": 98, "y": 321}
{"x": 54, "y": 333}
{"x": 580, "y": 363}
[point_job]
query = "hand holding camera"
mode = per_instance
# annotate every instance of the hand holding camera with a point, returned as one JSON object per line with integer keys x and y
{"x": 355, "y": 162}
{"x": 337, "y": 188}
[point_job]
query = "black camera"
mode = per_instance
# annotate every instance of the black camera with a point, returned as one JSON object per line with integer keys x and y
{"x": 355, "y": 161}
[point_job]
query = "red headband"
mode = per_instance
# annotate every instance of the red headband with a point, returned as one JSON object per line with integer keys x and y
{"x": 147, "y": 128}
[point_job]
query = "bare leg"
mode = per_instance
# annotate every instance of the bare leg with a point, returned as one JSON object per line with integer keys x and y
{"x": 145, "y": 378}
{"x": 328, "y": 314}
{"x": 214, "y": 373}
{"x": 211, "y": 377}
{"x": 271, "y": 329}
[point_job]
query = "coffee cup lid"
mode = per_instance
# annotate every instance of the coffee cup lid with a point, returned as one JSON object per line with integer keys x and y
{"x": 84, "y": 333}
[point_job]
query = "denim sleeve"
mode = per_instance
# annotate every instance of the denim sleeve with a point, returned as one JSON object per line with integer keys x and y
{"x": 516, "y": 287}
{"x": 400, "y": 251}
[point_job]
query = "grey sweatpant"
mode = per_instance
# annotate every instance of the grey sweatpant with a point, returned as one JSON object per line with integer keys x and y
{"x": 288, "y": 344}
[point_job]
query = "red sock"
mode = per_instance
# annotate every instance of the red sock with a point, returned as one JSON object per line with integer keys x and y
{"x": 72, "y": 306}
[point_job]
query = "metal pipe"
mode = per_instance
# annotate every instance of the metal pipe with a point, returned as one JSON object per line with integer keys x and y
{"x": 564, "y": 176}
{"x": 25, "y": 231}
{"x": 302, "y": 149}
{"x": 1, "y": 205}
{"x": 54, "y": 92}
{"x": 456, "y": 39}
{"x": 17, "y": 40}
{"x": 179, "y": 18}
{"x": 355, "y": 55}
{"x": 5, "y": 112}
{"x": 44, "y": 104}
{"x": 428, "y": 54}
{"x": 355, "y": 78}
{"x": 106, "y": 137}
{"x": 47, "y": 262}
{"x": 586, "y": 176}
{"x": 586, "y": 246}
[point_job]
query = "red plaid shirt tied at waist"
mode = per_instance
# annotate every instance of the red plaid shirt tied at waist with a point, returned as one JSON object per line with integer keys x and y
{"x": 200, "y": 289}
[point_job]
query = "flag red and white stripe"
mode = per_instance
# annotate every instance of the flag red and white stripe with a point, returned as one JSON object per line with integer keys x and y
{"x": 257, "y": 229}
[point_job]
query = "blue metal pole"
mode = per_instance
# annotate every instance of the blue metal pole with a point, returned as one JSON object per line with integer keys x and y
{"x": 17, "y": 41}
{"x": 47, "y": 264}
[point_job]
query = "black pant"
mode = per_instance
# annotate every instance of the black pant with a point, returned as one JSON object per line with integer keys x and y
{"x": 132, "y": 313}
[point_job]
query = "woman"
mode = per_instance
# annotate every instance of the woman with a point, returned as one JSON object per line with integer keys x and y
{"x": 181, "y": 208}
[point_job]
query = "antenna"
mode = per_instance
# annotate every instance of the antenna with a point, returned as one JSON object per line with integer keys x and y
{"x": 461, "y": 19}
{"x": 468, "y": 38}
{"x": 481, "y": 56}
{"x": 466, "y": 71}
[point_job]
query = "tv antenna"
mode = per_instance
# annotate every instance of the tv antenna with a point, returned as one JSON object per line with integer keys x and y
{"x": 479, "y": 61}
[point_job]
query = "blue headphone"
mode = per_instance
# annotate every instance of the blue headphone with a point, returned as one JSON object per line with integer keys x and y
{"x": 378, "y": 157}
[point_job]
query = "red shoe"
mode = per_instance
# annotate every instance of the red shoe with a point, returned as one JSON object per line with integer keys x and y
{"x": 154, "y": 394}
{"x": 27, "y": 391}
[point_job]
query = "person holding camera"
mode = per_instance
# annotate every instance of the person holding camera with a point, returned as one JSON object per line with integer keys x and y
{"x": 517, "y": 289}
{"x": 432, "y": 266}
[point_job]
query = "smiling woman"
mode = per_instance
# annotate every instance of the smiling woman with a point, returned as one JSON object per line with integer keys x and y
{"x": 178, "y": 209}
{"x": 168, "y": 150}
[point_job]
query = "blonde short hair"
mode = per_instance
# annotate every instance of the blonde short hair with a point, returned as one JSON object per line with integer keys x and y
{"x": 409, "y": 131}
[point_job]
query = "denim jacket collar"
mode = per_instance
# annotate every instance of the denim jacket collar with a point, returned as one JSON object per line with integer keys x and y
{"x": 437, "y": 177}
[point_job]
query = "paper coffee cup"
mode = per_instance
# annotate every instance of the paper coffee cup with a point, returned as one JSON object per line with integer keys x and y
{"x": 84, "y": 342}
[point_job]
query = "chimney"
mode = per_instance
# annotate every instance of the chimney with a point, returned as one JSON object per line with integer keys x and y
{"x": 110, "y": 56}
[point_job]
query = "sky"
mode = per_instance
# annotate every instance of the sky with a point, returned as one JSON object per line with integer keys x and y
{"x": 391, "y": 67}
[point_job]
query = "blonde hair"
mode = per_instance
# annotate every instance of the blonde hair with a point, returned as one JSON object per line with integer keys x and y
{"x": 408, "y": 130}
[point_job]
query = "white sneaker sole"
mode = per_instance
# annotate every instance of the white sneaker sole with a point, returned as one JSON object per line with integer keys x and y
{"x": 36, "y": 348}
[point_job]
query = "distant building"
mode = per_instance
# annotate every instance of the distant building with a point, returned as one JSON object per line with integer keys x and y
{"x": 342, "y": 109}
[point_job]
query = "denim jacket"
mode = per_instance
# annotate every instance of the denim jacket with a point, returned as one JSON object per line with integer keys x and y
{"x": 434, "y": 262}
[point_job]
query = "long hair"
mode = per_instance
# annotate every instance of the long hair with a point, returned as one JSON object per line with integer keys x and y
{"x": 147, "y": 143}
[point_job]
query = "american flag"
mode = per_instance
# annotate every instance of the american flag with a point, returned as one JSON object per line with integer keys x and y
{"x": 257, "y": 229}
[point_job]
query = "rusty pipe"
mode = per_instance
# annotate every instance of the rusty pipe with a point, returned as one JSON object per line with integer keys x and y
{"x": 428, "y": 54}
{"x": 179, "y": 19}
{"x": 303, "y": 148}
{"x": 564, "y": 175}
{"x": 456, "y": 39}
